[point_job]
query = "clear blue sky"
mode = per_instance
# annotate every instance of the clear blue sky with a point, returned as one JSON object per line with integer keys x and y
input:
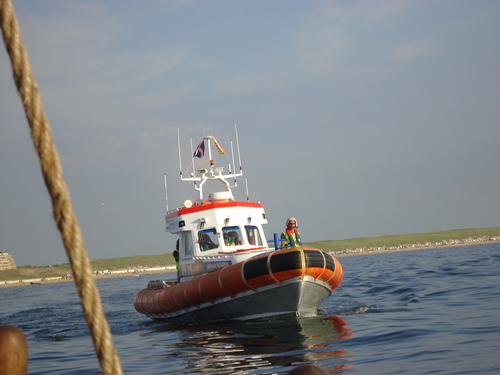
{"x": 359, "y": 118}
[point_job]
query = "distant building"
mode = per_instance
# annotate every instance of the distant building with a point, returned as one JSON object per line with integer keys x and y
{"x": 6, "y": 262}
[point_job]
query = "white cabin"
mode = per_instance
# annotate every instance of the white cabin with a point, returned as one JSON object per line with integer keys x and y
{"x": 218, "y": 231}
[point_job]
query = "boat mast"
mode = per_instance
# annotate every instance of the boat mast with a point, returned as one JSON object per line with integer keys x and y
{"x": 213, "y": 172}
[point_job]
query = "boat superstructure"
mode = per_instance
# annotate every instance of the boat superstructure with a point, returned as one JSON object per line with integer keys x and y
{"x": 226, "y": 268}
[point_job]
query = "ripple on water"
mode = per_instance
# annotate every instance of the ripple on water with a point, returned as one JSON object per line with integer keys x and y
{"x": 429, "y": 311}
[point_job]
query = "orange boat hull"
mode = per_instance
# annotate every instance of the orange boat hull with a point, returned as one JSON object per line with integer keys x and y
{"x": 288, "y": 281}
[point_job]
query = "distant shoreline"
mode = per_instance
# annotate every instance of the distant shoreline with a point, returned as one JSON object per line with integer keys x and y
{"x": 337, "y": 254}
{"x": 403, "y": 248}
{"x": 19, "y": 283}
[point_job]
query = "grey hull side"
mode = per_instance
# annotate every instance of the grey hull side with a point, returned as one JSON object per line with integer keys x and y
{"x": 297, "y": 297}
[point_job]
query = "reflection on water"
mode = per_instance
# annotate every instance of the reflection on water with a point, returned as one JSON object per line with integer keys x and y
{"x": 238, "y": 347}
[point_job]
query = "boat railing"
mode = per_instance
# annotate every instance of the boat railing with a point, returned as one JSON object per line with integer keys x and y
{"x": 277, "y": 241}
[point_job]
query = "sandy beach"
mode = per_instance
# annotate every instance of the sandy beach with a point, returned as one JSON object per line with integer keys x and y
{"x": 36, "y": 282}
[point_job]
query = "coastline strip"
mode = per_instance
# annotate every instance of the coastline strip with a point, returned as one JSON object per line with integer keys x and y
{"x": 337, "y": 254}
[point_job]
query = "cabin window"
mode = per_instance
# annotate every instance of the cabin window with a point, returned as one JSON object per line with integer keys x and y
{"x": 253, "y": 235}
{"x": 232, "y": 236}
{"x": 207, "y": 239}
{"x": 186, "y": 243}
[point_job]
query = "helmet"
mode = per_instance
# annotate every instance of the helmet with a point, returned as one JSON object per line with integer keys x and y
{"x": 292, "y": 219}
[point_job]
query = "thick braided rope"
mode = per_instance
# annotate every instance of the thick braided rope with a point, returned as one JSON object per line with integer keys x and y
{"x": 61, "y": 201}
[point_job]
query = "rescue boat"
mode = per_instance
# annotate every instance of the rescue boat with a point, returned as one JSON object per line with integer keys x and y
{"x": 227, "y": 270}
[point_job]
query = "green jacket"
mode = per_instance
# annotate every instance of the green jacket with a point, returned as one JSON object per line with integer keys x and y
{"x": 292, "y": 239}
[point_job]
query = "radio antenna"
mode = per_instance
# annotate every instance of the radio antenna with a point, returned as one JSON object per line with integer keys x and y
{"x": 238, "y": 146}
{"x": 166, "y": 195}
{"x": 179, "y": 148}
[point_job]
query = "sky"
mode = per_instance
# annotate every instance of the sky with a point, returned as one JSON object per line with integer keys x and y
{"x": 360, "y": 118}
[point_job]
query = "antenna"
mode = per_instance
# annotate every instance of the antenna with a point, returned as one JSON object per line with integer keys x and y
{"x": 166, "y": 195}
{"x": 209, "y": 148}
{"x": 246, "y": 185}
{"x": 192, "y": 155}
{"x": 179, "y": 148}
{"x": 238, "y": 146}
{"x": 232, "y": 156}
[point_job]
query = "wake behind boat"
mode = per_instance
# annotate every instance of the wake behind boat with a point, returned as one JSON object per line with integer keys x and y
{"x": 226, "y": 268}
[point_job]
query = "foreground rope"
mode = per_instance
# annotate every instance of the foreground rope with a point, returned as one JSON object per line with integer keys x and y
{"x": 61, "y": 200}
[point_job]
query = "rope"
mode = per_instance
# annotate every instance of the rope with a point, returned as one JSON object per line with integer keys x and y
{"x": 61, "y": 201}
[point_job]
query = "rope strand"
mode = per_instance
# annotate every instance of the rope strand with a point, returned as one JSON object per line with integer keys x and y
{"x": 61, "y": 201}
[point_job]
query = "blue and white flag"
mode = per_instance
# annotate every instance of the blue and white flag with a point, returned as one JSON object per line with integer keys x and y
{"x": 200, "y": 150}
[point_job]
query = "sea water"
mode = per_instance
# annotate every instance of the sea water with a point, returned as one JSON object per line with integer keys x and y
{"x": 434, "y": 311}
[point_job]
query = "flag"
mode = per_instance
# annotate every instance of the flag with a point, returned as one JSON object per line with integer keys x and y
{"x": 220, "y": 149}
{"x": 200, "y": 150}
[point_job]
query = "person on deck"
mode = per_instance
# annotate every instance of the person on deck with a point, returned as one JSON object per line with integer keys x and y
{"x": 291, "y": 236}
{"x": 175, "y": 253}
{"x": 206, "y": 243}
{"x": 232, "y": 239}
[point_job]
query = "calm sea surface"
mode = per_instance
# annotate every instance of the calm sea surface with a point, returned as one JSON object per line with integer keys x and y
{"x": 432, "y": 311}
